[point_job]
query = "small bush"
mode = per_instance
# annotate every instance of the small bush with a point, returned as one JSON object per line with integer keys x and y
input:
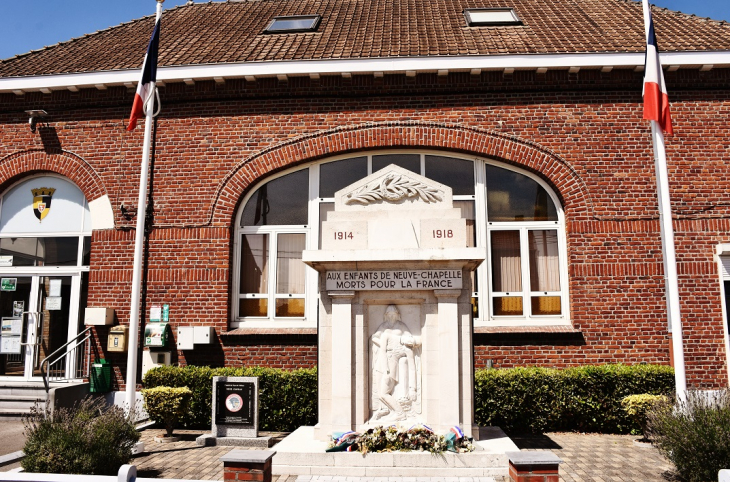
{"x": 167, "y": 405}
{"x": 287, "y": 399}
{"x": 586, "y": 398}
{"x": 638, "y": 406}
{"x": 87, "y": 439}
{"x": 694, "y": 434}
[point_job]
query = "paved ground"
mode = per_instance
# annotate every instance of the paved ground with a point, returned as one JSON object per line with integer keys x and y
{"x": 11, "y": 435}
{"x": 586, "y": 458}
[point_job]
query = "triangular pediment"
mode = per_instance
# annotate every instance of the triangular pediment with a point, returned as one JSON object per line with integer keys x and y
{"x": 393, "y": 187}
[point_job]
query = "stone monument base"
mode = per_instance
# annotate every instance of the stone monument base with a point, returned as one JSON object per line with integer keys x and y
{"x": 209, "y": 440}
{"x": 301, "y": 454}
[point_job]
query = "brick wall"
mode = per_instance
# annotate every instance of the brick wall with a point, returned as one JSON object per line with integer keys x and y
{"x": 583, "y": 133}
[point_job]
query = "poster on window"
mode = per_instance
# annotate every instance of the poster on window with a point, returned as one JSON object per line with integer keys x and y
{"x": 11, "y": 327}
{"x": 18, "y": 308}
{"x": 53, "y": 303}
{"x": 55, "y": 287}
{"x": 10, "y": 345}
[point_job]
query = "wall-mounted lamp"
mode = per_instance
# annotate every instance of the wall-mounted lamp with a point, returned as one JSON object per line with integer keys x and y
{"x": 34, "y": 115}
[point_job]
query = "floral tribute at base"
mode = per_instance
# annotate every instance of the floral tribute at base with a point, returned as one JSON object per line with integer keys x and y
{"x": 393, "y": 439}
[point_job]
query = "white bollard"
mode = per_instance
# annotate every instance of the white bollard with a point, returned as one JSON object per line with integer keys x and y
{"x": 127, "y": 473}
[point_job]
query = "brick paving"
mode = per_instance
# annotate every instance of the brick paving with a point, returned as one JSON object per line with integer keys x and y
{"x": 586, "y": 458}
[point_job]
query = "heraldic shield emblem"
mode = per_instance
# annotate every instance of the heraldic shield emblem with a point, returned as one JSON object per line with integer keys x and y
{"x": 42, "y": 201}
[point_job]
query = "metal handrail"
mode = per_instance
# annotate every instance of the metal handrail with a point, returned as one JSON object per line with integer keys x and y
{"x": 46, "y": 373}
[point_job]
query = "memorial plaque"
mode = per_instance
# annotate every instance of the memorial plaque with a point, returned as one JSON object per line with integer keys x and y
{"x": 392, "y": 280}
{"x": 235, "y": 403}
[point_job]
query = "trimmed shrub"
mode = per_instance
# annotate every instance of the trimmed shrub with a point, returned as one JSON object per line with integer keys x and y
{"x": 694, "y": 434}
{"x": 638, "y": 406}
{"x": 287, "y": 399}
{"x": 86, "y": 439}
{"x": 518, "y": 399}
{"x": 167, "y": 405}
{"x": 584, "y": 398}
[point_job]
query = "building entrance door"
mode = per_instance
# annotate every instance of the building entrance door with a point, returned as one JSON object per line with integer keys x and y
{"x": 39, "y": 315}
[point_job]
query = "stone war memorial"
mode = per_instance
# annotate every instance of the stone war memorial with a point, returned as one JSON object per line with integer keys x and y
{"x": 395, "y": 332}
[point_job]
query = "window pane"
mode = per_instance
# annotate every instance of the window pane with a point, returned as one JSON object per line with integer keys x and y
{"x": 86, "y": 255}
{"x": 412, "y": 162}
{"x": 458, "y": 174}
{"x": 289, "y": 266}
{"x": 41, "y": 251}
{"x": 253, "y": 307}
{"x": 515, "y": 197}
{"x": 544, "y": 265}
{"x": 254, "y": 263}
{"x": 546, "y": 305}
{"x": 507, "y": 305}
{"x": 324, "y": 209}
{"x": 467, "y": 212}
{"x": 290, "y": 307}
{"x": 281, "y": 201}
{"x": 333, "y": 176}
{"x": 506, "y": 262}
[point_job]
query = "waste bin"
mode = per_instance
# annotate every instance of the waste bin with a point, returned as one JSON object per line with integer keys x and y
{"x": 101, "y": 377}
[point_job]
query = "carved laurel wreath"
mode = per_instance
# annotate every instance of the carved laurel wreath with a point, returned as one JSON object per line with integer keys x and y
{"x": 393, "y": 188}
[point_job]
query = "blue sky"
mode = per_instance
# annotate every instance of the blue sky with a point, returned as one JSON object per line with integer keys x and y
{"x": 32, "y": 24}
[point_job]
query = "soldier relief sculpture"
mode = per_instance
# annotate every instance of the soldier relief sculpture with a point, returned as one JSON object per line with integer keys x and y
{"x": 396, "y": 370}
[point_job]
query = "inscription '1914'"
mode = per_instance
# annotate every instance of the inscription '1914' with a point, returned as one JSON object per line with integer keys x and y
{"x": 394, "y": 280}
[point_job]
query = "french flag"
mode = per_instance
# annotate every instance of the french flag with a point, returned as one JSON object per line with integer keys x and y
{"x": 149, "y": 76}
{"x": 656, "y": 101}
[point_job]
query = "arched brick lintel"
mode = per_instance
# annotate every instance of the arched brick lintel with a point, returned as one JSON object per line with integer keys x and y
{"x": 512, "y": 150}
{"x": 25, "y": 163}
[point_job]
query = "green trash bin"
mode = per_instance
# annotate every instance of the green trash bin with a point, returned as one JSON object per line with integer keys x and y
{"x": 101, "y": 377}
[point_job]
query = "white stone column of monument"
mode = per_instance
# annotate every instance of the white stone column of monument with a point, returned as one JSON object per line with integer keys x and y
{"x": 342, "y": 366}
{"x": 448, "y": 363}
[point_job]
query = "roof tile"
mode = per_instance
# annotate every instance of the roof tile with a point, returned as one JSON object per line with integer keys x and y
{"x": 232, "y": 32}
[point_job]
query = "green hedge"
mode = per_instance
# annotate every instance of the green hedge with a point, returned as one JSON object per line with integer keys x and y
{"x": 585, "y": 398}
{"x": 287, "y": 399}
{"x": 518, "y": 399}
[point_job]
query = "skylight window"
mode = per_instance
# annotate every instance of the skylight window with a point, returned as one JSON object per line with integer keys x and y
{"x": 479, "y": 17}
{"x": 298, "y": 23}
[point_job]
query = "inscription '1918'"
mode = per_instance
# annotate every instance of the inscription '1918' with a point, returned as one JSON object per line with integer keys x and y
{"x": 443, "y": 233}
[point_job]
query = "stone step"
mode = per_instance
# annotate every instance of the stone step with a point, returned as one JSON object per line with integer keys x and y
{"x": 19, "y": 403}
{"x": 301, "y": 454}
{"x": 11, "y": 413}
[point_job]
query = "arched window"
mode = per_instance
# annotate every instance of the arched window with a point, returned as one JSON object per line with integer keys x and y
{"x": 511, "y": 212}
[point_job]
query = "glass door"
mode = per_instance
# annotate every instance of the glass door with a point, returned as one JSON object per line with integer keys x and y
{"x": 36, "y": 313}
{"x": 19, "y": 324}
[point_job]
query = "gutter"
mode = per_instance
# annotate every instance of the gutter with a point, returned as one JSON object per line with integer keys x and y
{"x": 378, "y": 67}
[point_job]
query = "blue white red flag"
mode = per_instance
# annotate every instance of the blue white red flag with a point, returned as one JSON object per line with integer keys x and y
{"x": 149, "y": 76}
{"x": 656, "y": 100}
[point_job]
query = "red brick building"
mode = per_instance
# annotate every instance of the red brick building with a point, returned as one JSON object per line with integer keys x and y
{"x": 531, "y": 112}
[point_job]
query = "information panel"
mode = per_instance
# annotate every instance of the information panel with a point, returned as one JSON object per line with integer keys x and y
{"x": 431, "y": 279}
{"x": 235, "y": 403}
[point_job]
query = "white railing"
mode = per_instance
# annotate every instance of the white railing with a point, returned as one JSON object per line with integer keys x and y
{"x": 127, "y": 473}
{"x": 68, "y": 362}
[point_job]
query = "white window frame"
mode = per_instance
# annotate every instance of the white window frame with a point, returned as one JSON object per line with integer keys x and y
{"x": 482, "y": 229}
{"x": 722, "y": 258}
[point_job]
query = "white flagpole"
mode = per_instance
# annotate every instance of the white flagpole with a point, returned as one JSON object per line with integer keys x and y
{"x": 671, "y": 282}
{"x": 670, "y": 261}
{"x": 131, "y": 389}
